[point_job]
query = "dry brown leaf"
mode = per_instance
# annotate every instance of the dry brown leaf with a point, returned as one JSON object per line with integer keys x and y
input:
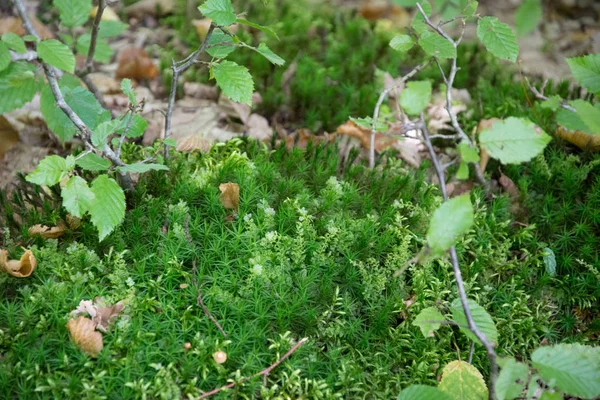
{"x": 18, "y": 268}
{"x": 301, "y": 137}
{"x": 150, "y": 7}
{"x": 508, "y": 185}
{"x": 583, "y": 140}
{"x": 233, "y": 109}
{"x": 9, "y": 136}
{"x": 73, "y": 222}
{"x": 230, "y": 195}
{"x": 375, "y": 10}
{"x": 107, "y": 15}
{"x": 200, "y": 91}
{"x": 202, "y": 26}
{"x": 48, "y": 233}
{"x": 134, "y": 63}
{"x": 14, "y": 25}
{"x": 83, "y": 332}
{"x": 364, "y": 135}
{"x": 102, "y": 314}
{"x": 193, "y": 143}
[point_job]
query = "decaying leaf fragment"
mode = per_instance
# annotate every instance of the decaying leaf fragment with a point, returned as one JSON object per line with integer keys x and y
{"x": 230, "y": 195}
{"x": 85, "y": 336}
{"x": 134, "y": 63}
{"x": 193, "y": 143}
{"x": 19, "y": 268}
{"x": 583, "y": 140}
{"x": 102, "y": 314}
{"x": 48, "y": 233}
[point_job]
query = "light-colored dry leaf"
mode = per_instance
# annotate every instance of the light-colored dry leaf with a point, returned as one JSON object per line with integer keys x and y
{"x": 301, "y": 137}
{"x": 234, "y": 109}
{"x": 202, "y": 26}
{"x": 395, "y": 85}
{"x": 134, "y": 63}
{"x": 107, "y": 15}
{"x": 200, "y": 91}
{"x": 9, "y": 136}
{"x": 83, "y": 333}
{"x": 193, "y": 143}
{"x": 150, "y": 7}
{"x": 106, "y": 314}
{"x": 259, "y": 128}
{"x": 230, "y": 195}
{"x": 21, "y": 268}
{"x": 14, "y": 25}
{"x": 73, "y": 222}
{"x": 48, "y": 233}
{"x": 508, "y": 185}
{"x": 583, "y": 140}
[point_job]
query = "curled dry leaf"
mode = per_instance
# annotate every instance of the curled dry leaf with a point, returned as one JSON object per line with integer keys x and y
{"x": 83, "y": 333}
{"x": 230, "y": 195}
{"x": 193, "y": 143}
{"x": 19, "y": 268}
{"x": 301, "y": 137}
{"x": 134, "y": 63}
{"x": 102, "y": 314}
{"x": 508, "y": 185}
{"x": 73, "y": 222}
{"x": 220, "y": 357}
{"x": 48, "y": 233}
{"x": 583, "y": 140}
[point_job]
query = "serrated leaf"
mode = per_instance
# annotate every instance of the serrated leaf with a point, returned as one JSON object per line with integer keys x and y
{"x": 467, "y": 153}
{"x": 462, "y": 381}
{"x": 588, "y": 114}
{"x": 73, "y": 12}
{"x": 93, "y": 162}
{"x": 418, "y": 23}
{"x": 511, "y": 380}
{"x": 235, "y": 81}
{"x": 514, "y": 140}
{"x": 261, "y": 28}
{"x": 573, "y": 368}
{"x": 18, "y": 85}
{"x": 586, "y": 70}
{"x": 451, "y": 220}
{"x": 220, "y": 11}
{"x": 15, "y": 42}
{"x": 367, "y": 123}
{"x": 437, "y": 46}
{"x": 422, "y": 392}
{"x": 103, "y": 51}
{"x": 528, "y": 16}
{"x": 107, "y": 209}
{"x": 77, "y": 196}
{"x": 402, "y": 43}
{"x": 553, "y": 103}
{"x": 50, "y": 171}
{"x": 221, "y": 51}
{"x": 110, "y": 29}
{"x": 470, "y": 9}
{"x": 482, "y": 319}
{"x": 103, "y": 131}
{"x": 56, "y": 54}
{"x": 127, "y": 89}
{"x": 140, "y": 168}
{"x": 137, "y": 128}
{"x": 5, "y": 58}
{"x": 264, "y": 50}
{"x": 429, "y": 320}
{"x": 498, "y": 38}
{"x": 415, "y": 97}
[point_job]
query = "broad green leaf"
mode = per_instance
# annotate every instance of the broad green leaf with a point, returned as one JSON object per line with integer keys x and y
{"x": 402, "y": 43}
{"x": 127, "y": 89}
{"x": 220, "y": 11}
{"x": 18, "y": 85}
{"x": 140, "y": 168}
{"x": 512, "y": 379}
{"x": 261, "y": 28}
{"x": 30, "y": 38}
{"x": 367, "y": 123}
{"x": 589, "y": 115}
{"x": 73, "y": 12}
{"x": 528, "y": 16}
{"x": 572, "y": 121}
{"x": 56, "y": 54}
{"x": 550, "y": 261}
{"x": 437, "y": 46}
{"x": 498, "y": 38}
{"x": 235, "y": 81}
{"x": 429, "y": 320}
{"x": 422, "y": 392}
{"x": 470, "y": 9}
{"x": 221, "y": 51}
{"x": 418, "y": 23}
{"x": 482, "y": 320}
{"x": 514, "y": 140}
{"x": 450, "y": 8}
{"x": 170, "y": 142}
{"x": 551, "y": 396}
{"x": 103, "y": 51}
{"x": 111, "y": 28}
{"x": 553, "y": 102}
{"x": 415, "y": 97}
{"x": 451, "y": 220}
{"x": 586, "y": 70}
{"x": 49, "y": 171}
{"x": 103, "y": 131}
{"x": 138, "y": 127}
{"x": 5, "y": 58}
{"x": 463, "y": 170}
{"x": 107, "y": 209}
{"x": 15, "y": 42}
{"x": 462, "y": 381}
{"x": 467, "y": 153}
{"x": 573, "y": 368}
{"x": 77, "y": 196}
{"x": 405, "y": 3}
{"x": 269, "y": 55}
{"x": 93, "y": 162}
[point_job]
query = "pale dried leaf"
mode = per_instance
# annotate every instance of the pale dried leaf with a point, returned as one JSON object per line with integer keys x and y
{"x": 230, "y": 195}
{"x": 14, "y": 25}
{"x": 134, "y": 63}
{"x": 150, "y": 7}
{"x": 21, "y": 268}
{"x": 509, "y": 186}
{"x": 83, "y": 333}
{"x": 234, "y": 109}
{"x": 581, "y": 139}
{"x": 48, "y": 233}
{"x": 107, "y": 15}
{"x": 106, "y": 314}
{"x": 193, "y": 143}
{"x": 73, "y": 222}
{"x": 200, "y": 91}
{"x": 202, "y": 26}
{"x": 258, "y": 127}
{"x": 85, "y": 307}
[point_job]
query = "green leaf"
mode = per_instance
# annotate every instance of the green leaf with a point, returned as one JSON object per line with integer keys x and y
{"x": 103, "y": 131}
{"x": 220, "y": 51}
{"x": 405, "y": 3}
{"x": 103, "y": 51}
{"x": 30, "y": 38}
{"x": 462, "y": 381}
{"x": 422, "y": 392}
{"x": 482, "y": 320}
{"x": 367, "y": 123}
{"x": 170, "y": 142}
{"x": 15, "y": 42}
{"x": 418, "y": 23}
{"x": 140, "y": 168}
{"x": 463, "y": 171}
{"x": 93, "y": 162}
{"x": 550, "y": 261}
{"x": 467, "y": 153}
{"x": 110, "y": 29}
{"x": 451, "y": 220}
{"x": 5, "y": 58}
{"x": 77, "y": 196}
{"x": 573, "y": 368}
{"x": 553, "y": 102}
{"x": 56, "y": 54}
{"x": 220, "y": 11}
{"x": 49, "y": 171}
{"x": 107, "y": 209}
{"x": 528, "y": 17}
{"x": 235, "y": 81}
{"x": 261, "y": 28}
{"x": 437, "y": 46}
{"x": 73, "y": 12}
{"x": 511, "y": 380}
{"x": 470, "y": 9}
{"x": 415, "y": 97}
{"x": 425, "y": 318}
{"x": 588, "y": 114}
{"x": 18, "y": 85}
{"x": 269, "y": 55}
{"x": 514, "y": 140}
{"x": 137, "y": 128}
{"x": 127, "y": 89}
{"x": 402, "y": 43}
{"x": 586, "y": 70}
{"x": 498, "y": 38}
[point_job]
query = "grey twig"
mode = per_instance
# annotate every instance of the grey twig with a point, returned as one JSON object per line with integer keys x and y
{"x": 539, "y": 94}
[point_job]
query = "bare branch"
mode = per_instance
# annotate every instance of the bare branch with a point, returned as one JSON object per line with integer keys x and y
{"x": 29, "y": 55}
{"x": 441, "y": 136}
{"x": 539, "y": 94}
{"x": 95, "y": 28}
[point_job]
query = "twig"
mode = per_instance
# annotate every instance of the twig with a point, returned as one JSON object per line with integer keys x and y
{"x": 29, "y": 55}
{"x": 125, "y": 131}
{"x": 540, "y": 94}
{"x": 265, "y": 372}
{"x": 489, "y": 347}
{"x": 440, "y": 136}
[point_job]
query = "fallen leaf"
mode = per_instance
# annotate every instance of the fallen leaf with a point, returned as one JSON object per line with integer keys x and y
{"x": 193, "y": 143}
{"x": 364, "y": 135}
{"x": 202, "y": 26}
{"x": 583, "y": 140}
{"x": 48, "y": 233}
{"x": 18, "y": 268}
{"x": 259, "y": 128}
{"x": 134, "y": 63}
{"x": 83, "y": 333}
{"x": 102, "y": 314}
{"x": 73, "y": 222}
{"x": 376, "y": 10}
{"x": 301, "y": 137}
{"x": 230, "y": 195}
{"x": 508, "y": 185}
{"x": 14, "y": 25}
{"x": 234, "y": 109}
{"x": 150, "y": 7}
{"x": 220, "y": 357}
{"x": 9, "y": 136}
{"x": 107, "y": 15}
{"x": 200, "y": 91}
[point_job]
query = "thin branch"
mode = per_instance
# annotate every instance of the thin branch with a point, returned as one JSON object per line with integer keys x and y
{"x": 539, "y": 94}
{"x": 441, "y": 136}
{"x": 29, "y": 55}
{"x": 95, "y": 28}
